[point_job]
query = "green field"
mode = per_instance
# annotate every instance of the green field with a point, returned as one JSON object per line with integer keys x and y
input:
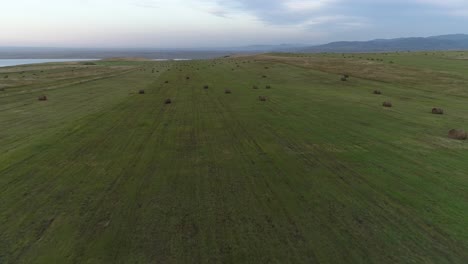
{"x": 318, "y": 173}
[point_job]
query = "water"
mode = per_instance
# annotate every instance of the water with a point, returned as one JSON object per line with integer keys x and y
{"x": 15, "y": 62}
{"x": 172, "y": 59}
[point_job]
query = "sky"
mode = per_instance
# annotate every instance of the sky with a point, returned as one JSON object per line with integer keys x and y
{"x": 221, "y": 23}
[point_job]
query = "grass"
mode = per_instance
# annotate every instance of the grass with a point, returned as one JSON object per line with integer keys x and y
{"x": 319, "y": 173}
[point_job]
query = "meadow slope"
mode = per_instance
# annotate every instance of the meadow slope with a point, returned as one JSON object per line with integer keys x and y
{"x": 318, "y": 173}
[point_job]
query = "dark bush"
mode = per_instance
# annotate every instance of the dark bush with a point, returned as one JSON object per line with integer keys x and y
{"x": 168, "y": 101}
{"x": 141, "y": 92}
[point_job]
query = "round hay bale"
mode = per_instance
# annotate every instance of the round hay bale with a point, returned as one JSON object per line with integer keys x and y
{"x": 377, "y": 92}
{"x": 141, "y": 92}
{"x": 437, "y": 111}
{"x": 166, "y": 82}
{"x": 42, "y": 98}
{"x": 168, "y": 101}
{"x": 205, "y": 87}
{"x": 227, "y": 91}
{"x": 387, "y": 104}
{"x": 268, "y": 87}
{"x": 255, "y": 87}
{"x": 187, "y": 78}
{"x": 262, "y": 98}
{"x": 458, "y": 134}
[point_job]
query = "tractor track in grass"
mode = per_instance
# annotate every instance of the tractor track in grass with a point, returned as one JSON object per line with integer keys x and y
{"x": 49, "y": 185}
{"x": 332, "y": 163}
{"x": 60, "y": 135}
{"x": 235, "y": 127}
{"x": 57, "y": 86}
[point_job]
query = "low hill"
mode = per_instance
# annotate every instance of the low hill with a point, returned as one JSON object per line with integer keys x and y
{"x": 445, "y": 42}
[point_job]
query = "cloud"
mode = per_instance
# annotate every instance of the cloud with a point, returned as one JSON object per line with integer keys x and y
{"x": 278, "y": 12}
{"x": 146, "y": 4}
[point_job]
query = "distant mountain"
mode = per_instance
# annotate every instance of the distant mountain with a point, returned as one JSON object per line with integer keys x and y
{"x": 444, "y": 42}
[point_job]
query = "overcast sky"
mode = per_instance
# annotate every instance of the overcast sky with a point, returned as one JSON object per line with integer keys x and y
{"x": 221, "y": 23}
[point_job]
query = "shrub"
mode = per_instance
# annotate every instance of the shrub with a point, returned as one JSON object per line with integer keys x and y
{"x": 377, "y": 92}
{"x": 206, "y": 87}
{"x": 168, "y": 101}
{"x": 141, "y": 92}
{"x": 42, "y": 98}
{"x": 268, "y": 87}
{"x": 227, "y": 91}
{"x": 255, "y": 87}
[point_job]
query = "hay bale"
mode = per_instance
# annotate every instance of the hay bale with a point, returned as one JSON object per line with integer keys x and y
{"x": 458, "y": 134}
{"x": 227, "y": 91}
{"x": 264, "y": 76}
{"x": 262, "y": 98}
{"x": 141, "y": 92}
{"x": 268, "y": 87}
{"x": 187, "y": 78}
{"x": 377, "y": 92}
{"x": 344, "y": 79}
{"x": 387, "y": 104}
{"x": 168, "y": 101}
{"x": 166, "y": 82}
{"x": 42, "y": 98}
{"x": 437, "y": 111}
{"x": 205, "y": 87}
{"x": 255, "y": 87}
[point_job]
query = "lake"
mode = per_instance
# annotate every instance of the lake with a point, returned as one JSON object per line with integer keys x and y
{"x": 15, "y": 62}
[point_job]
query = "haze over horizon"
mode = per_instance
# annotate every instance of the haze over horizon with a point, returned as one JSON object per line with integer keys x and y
{"x": 221, "y": 23}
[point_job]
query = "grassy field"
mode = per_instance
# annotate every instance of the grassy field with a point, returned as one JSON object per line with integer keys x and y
{"x": 318, "y": 173}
